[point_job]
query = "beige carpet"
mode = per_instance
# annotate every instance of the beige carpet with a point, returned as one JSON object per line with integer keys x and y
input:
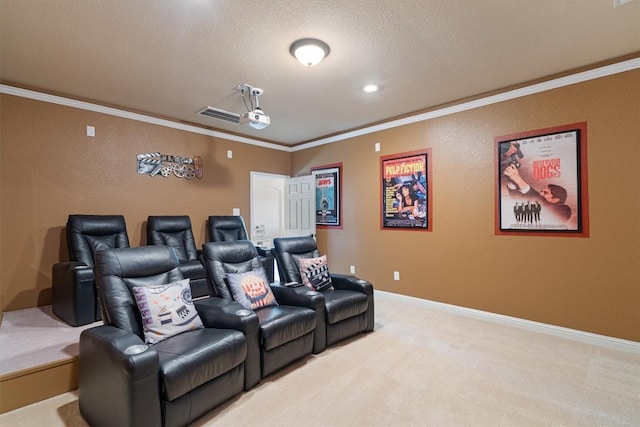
{"x": 426, "y": 367}
{"x": 35, "y": 336}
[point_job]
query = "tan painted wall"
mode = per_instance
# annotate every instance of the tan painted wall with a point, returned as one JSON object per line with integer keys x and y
{"x": 590, "y": 284}
{"x": 50, "y": 169}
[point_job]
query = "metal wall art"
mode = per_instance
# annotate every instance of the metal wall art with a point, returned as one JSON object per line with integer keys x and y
{"x": 166, "y": 165}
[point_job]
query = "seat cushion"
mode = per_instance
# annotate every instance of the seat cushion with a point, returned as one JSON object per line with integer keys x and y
{"x": 193, "y": 358}
{"x": 341, "y": 304}
{"x": 284, "y": 323}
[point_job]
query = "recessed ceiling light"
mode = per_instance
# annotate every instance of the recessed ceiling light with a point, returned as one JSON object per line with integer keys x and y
{"x": 370, "y": 88}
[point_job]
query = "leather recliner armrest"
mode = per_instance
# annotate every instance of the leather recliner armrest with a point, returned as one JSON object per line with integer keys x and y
{"x": 351, "y": 283}
{"x": 267, "y": 259}
{"x": 226, "y": 314}
{"x": 119, "y": 381}
{"x": 302, "y": 296}
{"x": 74, "y": 298}
{"x": 264, "y": 251}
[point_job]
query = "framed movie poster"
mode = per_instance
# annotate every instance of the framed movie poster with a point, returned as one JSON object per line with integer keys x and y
{"x": 328, "y": 195}
{"x": 406, "y": 191}
{"x": 541, "y": 181}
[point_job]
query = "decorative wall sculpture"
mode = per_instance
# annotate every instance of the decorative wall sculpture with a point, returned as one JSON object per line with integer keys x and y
{"x": 166, "y": 165}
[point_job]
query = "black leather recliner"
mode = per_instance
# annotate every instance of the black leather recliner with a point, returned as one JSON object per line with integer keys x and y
{"x": 123, "y": 381}
{"x": 176, "y": 231}
{"x": 286, "y": 331}
{"x": 74, "y": 297}
{"x": 349, "y": 306}
{"x": 224, "y": 228}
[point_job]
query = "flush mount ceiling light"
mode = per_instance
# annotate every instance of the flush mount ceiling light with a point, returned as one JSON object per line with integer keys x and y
{"x": 370, "y": 88}
{"x": 309, "y": 51}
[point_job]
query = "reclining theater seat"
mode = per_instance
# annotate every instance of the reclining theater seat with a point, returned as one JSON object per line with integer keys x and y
{"x": 74, "y": 298}
{"x": 286, "y": 330}
{"x": 176, "y": 231}
{"x": 181, "y": 373}
{"x": 349, "y": 305}
{"x": 224, "y": 228}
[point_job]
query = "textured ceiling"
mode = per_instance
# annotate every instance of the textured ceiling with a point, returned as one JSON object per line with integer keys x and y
{"x": 171, "y": 58}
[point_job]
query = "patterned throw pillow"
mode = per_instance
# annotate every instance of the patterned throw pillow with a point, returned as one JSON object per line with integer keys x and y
{"x": 315, "y": 273}
{"x": 251, "y": 289}
{"x": 166, "y": 310}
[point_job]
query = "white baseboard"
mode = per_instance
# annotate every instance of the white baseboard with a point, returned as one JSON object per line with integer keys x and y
{"x": 559, "y": 331}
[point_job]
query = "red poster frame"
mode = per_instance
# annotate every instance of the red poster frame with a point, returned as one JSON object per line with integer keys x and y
{"x": 429, "y": 189}
{"x": 545, "y": 138}
{"x": 338, "y": 194}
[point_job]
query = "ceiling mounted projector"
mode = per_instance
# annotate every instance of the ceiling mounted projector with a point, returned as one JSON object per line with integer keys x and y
{"x": 256, "y": 119}
{"x": 254, "y": 116}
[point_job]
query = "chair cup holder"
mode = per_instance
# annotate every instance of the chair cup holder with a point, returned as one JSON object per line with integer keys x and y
{"x": 136, "y": 349}
{"x": 243, "y": 312}
{"x": 312, "y": 293}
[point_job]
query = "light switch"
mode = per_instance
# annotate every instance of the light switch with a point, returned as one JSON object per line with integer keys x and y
{"x": 236, "y": 211}
{"x": 91, "y": 131}
{"x": 229, "y": 154}
{"x": 377, "y": 147}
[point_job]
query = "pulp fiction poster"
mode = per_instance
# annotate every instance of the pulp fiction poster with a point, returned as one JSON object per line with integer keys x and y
{"x": 406, "y": 195}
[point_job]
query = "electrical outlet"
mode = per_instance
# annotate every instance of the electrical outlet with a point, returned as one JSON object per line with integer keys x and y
{"x": 396, "y": 275}
{"x": 229, "y": 154}
{"x": 352, "y": 269}
{"x": 91, "y": 131}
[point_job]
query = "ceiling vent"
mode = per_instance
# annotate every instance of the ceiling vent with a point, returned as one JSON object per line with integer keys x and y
{"x": 254, "y": 117}
{"x": 219, "y": 114}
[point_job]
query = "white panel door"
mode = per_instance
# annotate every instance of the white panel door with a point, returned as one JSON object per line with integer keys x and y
{"x": 268, "y": 195}
{"x": 300, "y": 218}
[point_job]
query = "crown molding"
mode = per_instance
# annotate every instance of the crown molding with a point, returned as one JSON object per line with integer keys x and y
{"x": 83, "y": 105}
{"x": 584, "y": 76}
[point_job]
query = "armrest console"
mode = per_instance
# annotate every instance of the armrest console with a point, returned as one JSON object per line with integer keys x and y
{"x": 219, "y": 313}
{"x": 224, "y": 314}
{"x": 351, "y": 283}
{"x": 74, "y": 298}
{"x": 302, "y": 296}
{"x": 118, "y": 381}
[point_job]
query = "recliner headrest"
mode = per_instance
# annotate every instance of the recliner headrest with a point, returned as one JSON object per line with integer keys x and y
{"x": 169, "y": 224}
{"x": 143, "y": 261}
